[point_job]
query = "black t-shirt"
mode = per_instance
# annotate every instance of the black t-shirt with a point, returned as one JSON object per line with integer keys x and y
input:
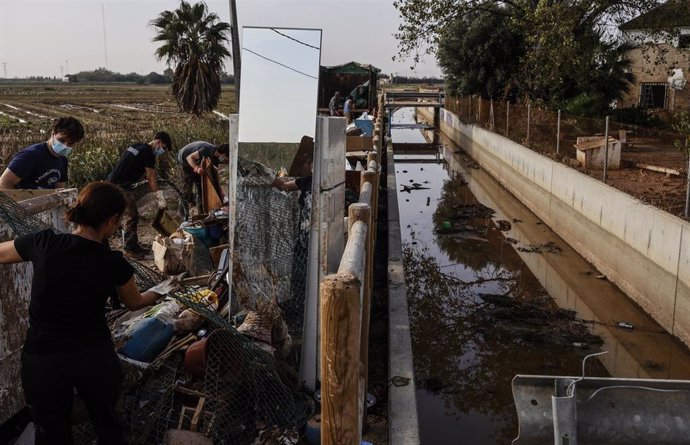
{"x": 73, "y": 277}
{"x": 133, "y": 164}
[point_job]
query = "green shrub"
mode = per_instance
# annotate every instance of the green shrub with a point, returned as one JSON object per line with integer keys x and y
{"x": 637, "y": 116}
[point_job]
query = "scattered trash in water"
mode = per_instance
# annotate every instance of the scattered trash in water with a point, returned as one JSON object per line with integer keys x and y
{"x": 397, "y": 380}
{"x": 601, "y": 277}
{"x": 512, "y": 240}
{"x": 625, "y": 325}
{"x": 404, "y": 171}
{"x": 549, "y": 247}
{"x": 428, "y": 200}
{"x": 515, "y": 220}
{"x": 503, "y": 225}
{"x": 414, "y": 186}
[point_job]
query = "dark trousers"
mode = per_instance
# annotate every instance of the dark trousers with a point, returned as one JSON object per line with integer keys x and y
{"x": 190, "y": 182}
{"x": 49, "y": 382}
{"x": 131, "y": 216}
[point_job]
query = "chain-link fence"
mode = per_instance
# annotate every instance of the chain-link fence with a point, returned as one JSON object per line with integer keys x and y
{"x": 652, "y": 168}
{"x": 538, "y": 128}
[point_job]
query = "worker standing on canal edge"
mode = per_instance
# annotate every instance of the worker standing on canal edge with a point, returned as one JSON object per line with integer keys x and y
{"x": 68, "y": 344}
{"x": 347, "y": 109}
{"x": 137, "y": 161}
{"x": 190, "y": 158}
{"x": 334, "y": 104}
{"x": 44, "y": 165}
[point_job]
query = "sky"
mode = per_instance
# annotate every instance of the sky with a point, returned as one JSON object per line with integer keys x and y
{"x": 39, "y": 37}
{"x": 278, "y": 64}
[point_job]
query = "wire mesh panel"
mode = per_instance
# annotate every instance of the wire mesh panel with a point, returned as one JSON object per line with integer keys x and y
{"x": 271, "y": 244}
{"x": 247, "y": 383}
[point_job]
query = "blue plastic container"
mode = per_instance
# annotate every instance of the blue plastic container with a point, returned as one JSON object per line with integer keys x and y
{"x": 148, "y": 339}
{"x": 366, "y": 125}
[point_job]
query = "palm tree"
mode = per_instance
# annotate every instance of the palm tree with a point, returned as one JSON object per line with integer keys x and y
{"x": 193, "y": 41}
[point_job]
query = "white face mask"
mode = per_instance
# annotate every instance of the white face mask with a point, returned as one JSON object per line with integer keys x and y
{"x": 61, "y": 149}
{"x": 221, "y": 158}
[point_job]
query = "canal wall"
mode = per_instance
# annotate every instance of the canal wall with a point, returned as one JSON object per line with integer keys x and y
{"x": 641, "y": 249}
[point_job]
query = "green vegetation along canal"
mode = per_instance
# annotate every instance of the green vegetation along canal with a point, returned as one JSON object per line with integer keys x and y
{"x": 493, "y": 292}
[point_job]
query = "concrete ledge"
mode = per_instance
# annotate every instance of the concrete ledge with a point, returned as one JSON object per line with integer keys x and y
{"x": 402, "y": 401}
{"x": 642, "y": 249}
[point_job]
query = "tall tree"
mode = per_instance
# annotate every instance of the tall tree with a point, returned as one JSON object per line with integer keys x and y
{"x": 479, "y": 52}
{"x": 193, "y": 40}
{"x": 556, "y": 32}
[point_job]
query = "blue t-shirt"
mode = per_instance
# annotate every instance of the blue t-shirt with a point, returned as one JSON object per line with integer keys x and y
{"x": 38, "y": 168}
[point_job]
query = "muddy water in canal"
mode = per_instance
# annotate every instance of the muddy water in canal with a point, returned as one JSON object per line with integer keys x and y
{"x": 493, "y": 293}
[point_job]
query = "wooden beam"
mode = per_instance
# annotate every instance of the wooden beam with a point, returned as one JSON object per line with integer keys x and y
{"x": 657, "y": 168}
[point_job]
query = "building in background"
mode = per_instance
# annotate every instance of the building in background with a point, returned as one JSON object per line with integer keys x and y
{"x": 661, "y": 60}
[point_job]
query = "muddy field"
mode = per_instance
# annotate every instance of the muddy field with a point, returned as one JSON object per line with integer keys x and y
{"x": 114, "y": 116}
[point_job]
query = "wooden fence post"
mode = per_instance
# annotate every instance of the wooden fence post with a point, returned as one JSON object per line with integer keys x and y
{"x": 363, "y": 212}
{"x": 340, "y": 378}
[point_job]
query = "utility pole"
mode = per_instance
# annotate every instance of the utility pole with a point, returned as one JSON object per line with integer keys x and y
{"x": 62, "y": 71}
{"x": 4, "y": 69}
{"x": 236, "y": 62}
{"x": 66, "y": 67}
{"x": 105, "y": 46}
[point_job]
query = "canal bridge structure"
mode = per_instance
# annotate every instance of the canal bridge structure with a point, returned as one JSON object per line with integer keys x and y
{"x": 395, "y": 100}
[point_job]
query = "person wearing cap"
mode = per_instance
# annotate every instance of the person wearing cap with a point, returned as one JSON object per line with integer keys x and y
{"x": 190, "y": 158}
{"x": 44, "y": 165}
{"x": 137, "y": 162}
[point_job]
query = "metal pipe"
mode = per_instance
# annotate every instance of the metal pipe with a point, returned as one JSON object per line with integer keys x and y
{"x": 529, "y": 118}
{"x": 558, "y": 133}
{"x": 606, "y": 148}
{"x": 507, "y": 118}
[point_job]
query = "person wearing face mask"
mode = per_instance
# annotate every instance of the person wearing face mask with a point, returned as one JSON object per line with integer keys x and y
{"x": 68, "y": 345}
{"x": 44, "y": 165}
{"x": 190, "y": 158}
{"x": 136, "y": 162}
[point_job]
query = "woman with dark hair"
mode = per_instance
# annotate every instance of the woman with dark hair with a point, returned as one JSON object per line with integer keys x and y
{"x": 68, "y": 344}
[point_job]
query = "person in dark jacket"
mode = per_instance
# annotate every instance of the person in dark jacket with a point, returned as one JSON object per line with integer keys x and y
{"x": 68, "y": 345}
{"x": 137, "y": 162}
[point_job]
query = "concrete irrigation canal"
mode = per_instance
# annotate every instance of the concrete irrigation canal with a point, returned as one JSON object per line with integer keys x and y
{"x": 493, "y": 292}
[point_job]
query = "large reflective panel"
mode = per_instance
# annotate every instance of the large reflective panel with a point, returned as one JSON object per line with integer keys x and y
{"x": 277, "y": 124}
{"x": 280, "y": 70}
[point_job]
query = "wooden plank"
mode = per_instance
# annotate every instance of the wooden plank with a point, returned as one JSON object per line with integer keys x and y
{"x": 597, "y": 143}
{"x": 21, "y": 195}
{"x": 210, "y": 188}
{"x": 358, "y": 143}
{"x": 305, "y": 152}
{"x": 657, "y": 168}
